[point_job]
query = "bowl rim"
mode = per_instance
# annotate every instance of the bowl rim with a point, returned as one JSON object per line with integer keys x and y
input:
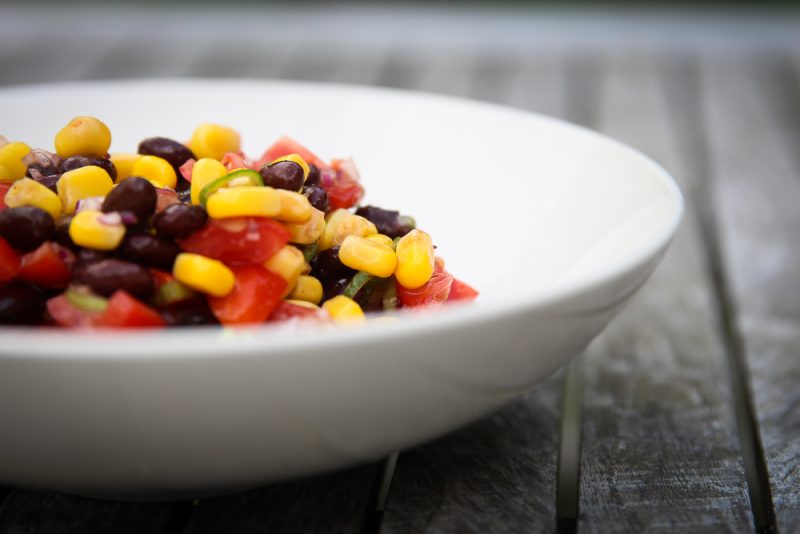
{"x": 274, "y": 340}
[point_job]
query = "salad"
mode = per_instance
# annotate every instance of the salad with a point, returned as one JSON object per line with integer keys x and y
{"x": 196, "y": 233}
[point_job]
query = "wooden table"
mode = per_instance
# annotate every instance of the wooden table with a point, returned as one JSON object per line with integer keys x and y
{"x": 684, "y": 415}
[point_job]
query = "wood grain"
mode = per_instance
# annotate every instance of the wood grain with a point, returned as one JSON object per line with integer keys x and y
{"x": 756, "y": 188}
{"x": 660, "y": 450}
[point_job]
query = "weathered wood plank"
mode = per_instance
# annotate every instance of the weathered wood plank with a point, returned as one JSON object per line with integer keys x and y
{"x": 660, "y": 450}
{"x": 497, "y": 475}
{"x": 756, "y": 186}
{"x": 36, "y": 512}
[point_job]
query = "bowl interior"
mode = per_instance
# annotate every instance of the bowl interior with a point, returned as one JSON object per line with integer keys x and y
{"x": 516, "y": 203}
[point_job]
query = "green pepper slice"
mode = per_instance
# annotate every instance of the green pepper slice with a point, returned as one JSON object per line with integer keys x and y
{"x": 222, "y": 181}
{"x": 86, "y": 301}
{"x": 357, "y": 282}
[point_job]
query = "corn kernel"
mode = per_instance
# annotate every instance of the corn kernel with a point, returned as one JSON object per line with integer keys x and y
{"x": 123, "y": 162}
{"x": 343, "y": 309}
{"x": 295, "y": 208}
{"x": 5, "y": 175}
{"x": 352, "y": 225}
{"x": 88, "y": 229}
{"x": 303, "y": 304}
{"x": 414, "y": 259}
{"x": 77, "y": 184}
{"x": 156, "y": 170}
{"x": 288, "y": 263}
{"x": 203, "y": 274}
{"x": 362, "y": 254}
{"x": 295, "y": 158}
{"x": 27, "y": 192}
{"x": 11, "y": 158}
{"x": 83, "y": 136}
{"x": 204, "y": 172}
{"x": 382, "y": 239}
{"x": 309, "y": 231}
{"x": 213, "y": 141}
{"x": 246, "y": 201}
{"x": 308, "y": 289}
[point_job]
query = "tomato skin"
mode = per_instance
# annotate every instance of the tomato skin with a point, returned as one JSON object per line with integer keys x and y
{"x": 234, "y": 160}
{"x": 65, "y": 314}
{"x": 462, "y": 291}
{"x": 284, "y": 146}
{"x": 344, "y": 192}
{"x": 286, "y": 311}
{"x": 45, "y": 266}
{"x": 255, "y": 296}
{"x": 124, "y": 311}
{"x": 9, "y": 261}
{"x": 238, "y": 240}
{"x": 434, "y": 292}
{"x": 160, "y": 277}
{"x": 4, "y": 187}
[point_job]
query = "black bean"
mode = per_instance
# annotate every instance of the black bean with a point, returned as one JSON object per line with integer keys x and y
{"x": 21, "y": 303}
{"x": 26, "y": 227}
{"x": 107, "y": 276}
{"x": 327, "y": 267}
{"x": 317, "y": 197}
{"x": 313, "y": 177}
{"x": 180, "y": 220}
{"x": 387, "y": 222}
{"x": 134, "y": 195}
{"x": 191, "y": 312}
{"x": 283, "y": 175}
{"x": 331, "y": 288}
{"x": 61, "y": 235}
{"x": 174, "y": 152}
{"x": 150, "y": 250}
{"x": 76, "y": 162}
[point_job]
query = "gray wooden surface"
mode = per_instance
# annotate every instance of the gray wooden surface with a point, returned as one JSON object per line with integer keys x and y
{"x": 685, "y": 414}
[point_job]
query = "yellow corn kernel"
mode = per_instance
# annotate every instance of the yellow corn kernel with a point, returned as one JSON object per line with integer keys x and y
{"x": 85, "y": 182}
{"x": 362, "y": 254}
{"x": 83, "y": 136}
{"x": 332, "y": 221}
{"x": 303, "y": 304}
{"x": 5, "y": 175}
{"x": 27, "y": 192}
{"x": 203, "y": 274}
{"x": 205, "y": 171}
{"x": 156, "y": 170}
{"x": 88, "y": 230}
{"x": 244, "y": 201}
{"x": 309, "y": 231}
{"x": 382, "y": 239}
{"x": 414, "y": 259}
{"x": 343, "y": 309}
{"x": 295, "y": 208}
{"x": 308, "y": 289}
{"x": 123, "y": 162}
{"x": 288, "y": 263}
{"x": 295, "y": 158}
{"x": 352, "y": 225}
{"x": 11, "y": 158}
{"x": 213, "y": 141}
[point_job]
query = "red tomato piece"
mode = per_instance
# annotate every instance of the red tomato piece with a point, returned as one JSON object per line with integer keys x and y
{"x": 124, "y": 311}
{"x": 234, "y": 160}
{"x": 187, "y": 168}
{"x": 254, "y": 297}
{"x": 65, "y": 314}
{"x": 47, "y": 266}
{"x": 286, "y": 311}
{"x": 4, "y": 187}
{"x": 160, "y": 277}
{"x": 461, "y": 291}
{"x": 434, "y": 292}
{"x": 344, "y": 192}
{"x": 284, "y": 146}
{"x": 9, "y": 261}
{"x": 238, "y": 240}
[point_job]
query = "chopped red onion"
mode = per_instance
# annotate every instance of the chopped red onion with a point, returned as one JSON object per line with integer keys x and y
{"x": 89, "y": 203}
{"x": 110, "y": 219}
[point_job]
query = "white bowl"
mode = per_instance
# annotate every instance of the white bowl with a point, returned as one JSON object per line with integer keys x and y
{"x": 557, "y": 227}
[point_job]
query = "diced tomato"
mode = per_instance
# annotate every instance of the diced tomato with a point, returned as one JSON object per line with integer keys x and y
{"x": 187, "y": 168}
{"x": 434, "y": 292}
{"x": 124, "y": 311}
{"x": 4, "y": 187}
{"x": 254, "y": 297}
{"x": 64, "y": 313}
{"x": 238, "y": 240}
{"x": 9, "y": 261}
{"x": 234, "y": 160}
{"x": 286, "y": 311}
{"x": 160, "y": 277}
{"x": 461, "y": 291}
{"x": 47, "y": 266}
{"x": 284, "y": 146}
{"x": 165, "y": 198}
{"x": 344, "y": 193}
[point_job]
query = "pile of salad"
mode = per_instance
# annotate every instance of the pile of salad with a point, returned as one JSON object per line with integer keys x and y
{"x": 196, "y": 233}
